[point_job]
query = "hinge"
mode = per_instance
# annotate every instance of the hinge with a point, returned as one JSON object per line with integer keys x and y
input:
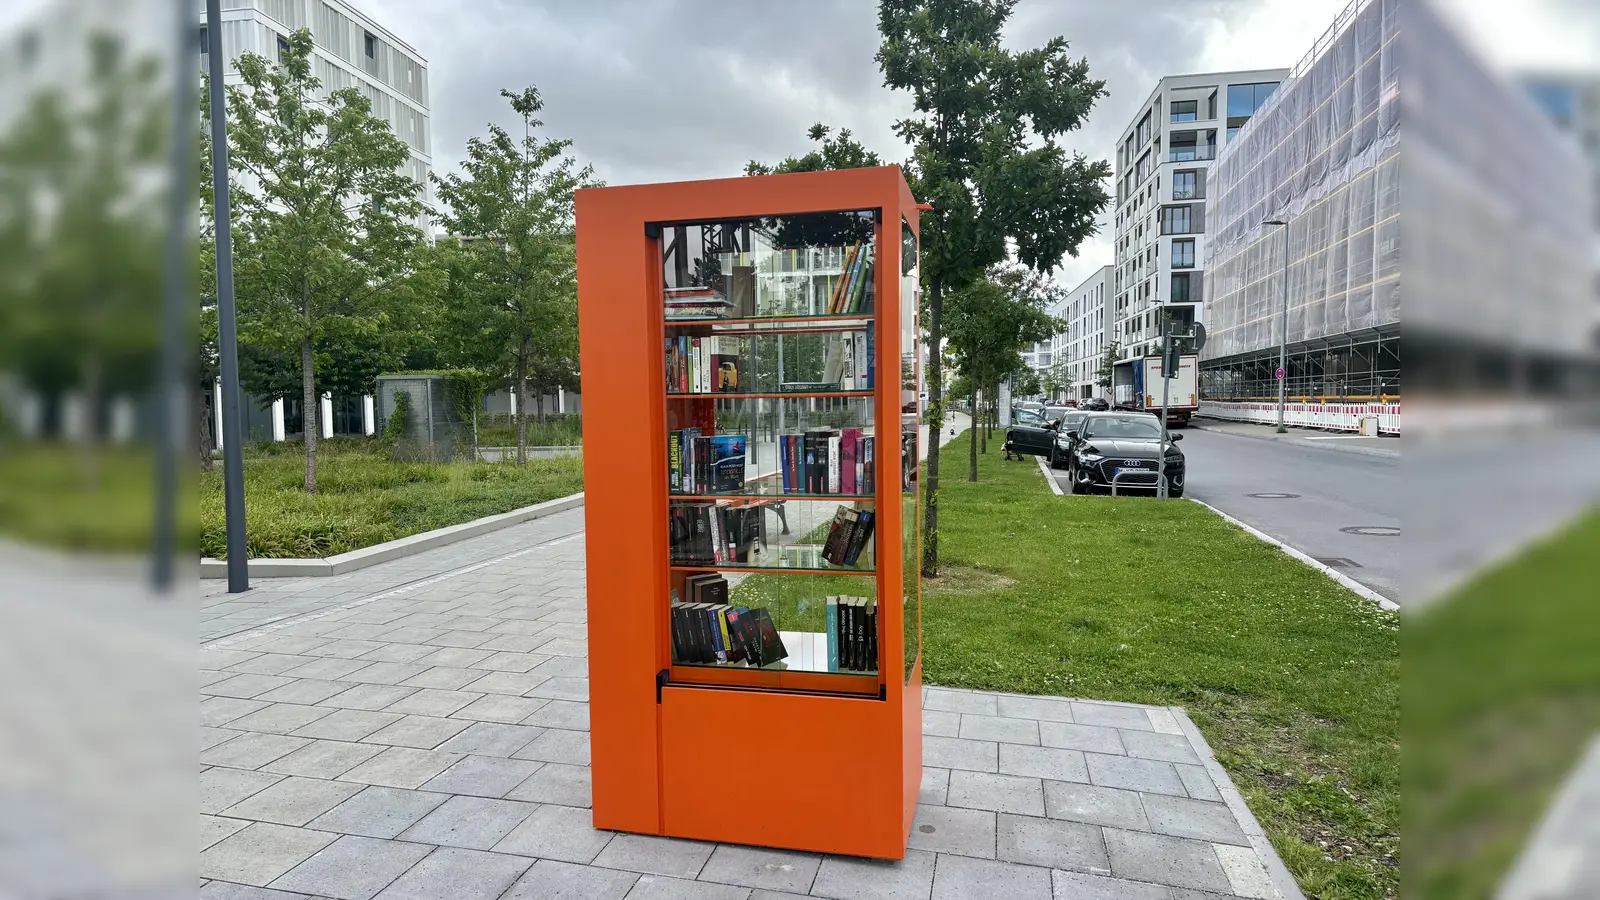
{"x": 883, "y": 692}
{"x": 652, "y": 229}
{"x": 662, "y": 678}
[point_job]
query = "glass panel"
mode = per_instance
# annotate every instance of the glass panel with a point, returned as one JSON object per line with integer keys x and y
{"x": 818, "y": 623}
{"x": 812, "y": 534}
{"x": 748, "y": 357}
{"x": 910, "y": 427}
{"x": 771, "y": 446}
{"x": 817, "y": 264}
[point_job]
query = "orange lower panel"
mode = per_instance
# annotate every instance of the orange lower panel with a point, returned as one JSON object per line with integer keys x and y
{"x": 793, "y": 771}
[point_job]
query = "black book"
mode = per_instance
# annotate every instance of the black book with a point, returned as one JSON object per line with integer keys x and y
{"x": 847, "y": 614}
{"x": 837, "y": 543}
{"x": 772, "y": 648}
{"x": 858, "y": 646}
{"x": 676, "y": 622}
{"x": 872, "y": 636}
{"x": 859, "y": 536}
{"x": 705, "y": 648}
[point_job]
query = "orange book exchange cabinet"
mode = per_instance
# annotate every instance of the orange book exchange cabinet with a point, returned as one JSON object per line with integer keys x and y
{"x": 752, "y": 382}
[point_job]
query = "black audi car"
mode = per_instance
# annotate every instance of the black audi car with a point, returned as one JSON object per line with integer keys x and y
{"x": 1120, "y": 446}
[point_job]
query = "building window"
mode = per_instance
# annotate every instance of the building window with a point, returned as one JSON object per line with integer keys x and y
{"x": 1180, "y": 288}
{"x": 283, "y": 47}
{"x": 1233, "y": 132}
{"x": 1183, "y": 254}
{"x": 1142, "y": 134}
{"x": 1183, "y": 185}
{"x": 1175, "y": 220}
{"x": 1245, "y": 99}
{"x": 371, "y": 43}
{"x": 1211, "y": 106}
{"x": 1185, "y": 147}
{"x": 1185, "y": 110}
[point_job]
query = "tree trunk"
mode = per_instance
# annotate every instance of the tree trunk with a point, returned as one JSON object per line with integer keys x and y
{"x": 203, "y": 433}
{"x": 522, "y": 405}
{"x": 309, "y": 408}
{"x": 982, "y": 422}
{"x": 930, "y": 514}
{"x": 88, "y": 445}
{"x": 972, "y": 443}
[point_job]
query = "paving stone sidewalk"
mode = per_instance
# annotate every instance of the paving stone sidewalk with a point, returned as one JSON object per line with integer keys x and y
{"x": 420, "y": 730}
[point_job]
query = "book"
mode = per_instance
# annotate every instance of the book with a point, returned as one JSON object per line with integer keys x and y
{"x": 862, "y": 379}
{"x": 833, "y": 368}
{"x": 871, "y": 661}
{"x": 771, "y": 644}
{"x": 868, "y": 469}
{"x": 859, "y": 536}
{"x": 856, "y": 302}
{"x": 783, "y": 463}
{"x": 839, "y": 287}
{"x": 674, "y": 460}
{"x": 727, "y": 462}
{"x": 871, "y": 355}
{"x": 729, "y": 654}
{"x": 847, "y": 460}
{"x": 735, "y": 617}
{"x": 837, "y": 542}
{"x": 833, "y": 633}
{"x": 808, "y": 387}
{"x": 834, "y": 474}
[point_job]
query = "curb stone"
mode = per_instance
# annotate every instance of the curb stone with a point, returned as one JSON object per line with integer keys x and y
{"x": 395, "y": 549}
{"x": 1359, "y": 451}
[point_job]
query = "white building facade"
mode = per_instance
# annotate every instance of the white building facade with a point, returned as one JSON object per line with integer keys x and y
{"x": 1572, "y": 101}
{"x": 1081, "y": 345}
{"x": 1163, "y": 160}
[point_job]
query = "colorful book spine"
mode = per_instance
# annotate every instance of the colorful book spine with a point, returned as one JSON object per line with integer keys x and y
{"x": 833, "y": 634}
{"x": 847, "y": 460}
{"x": 783, "y": 462}
{"x": 834, "y": 475}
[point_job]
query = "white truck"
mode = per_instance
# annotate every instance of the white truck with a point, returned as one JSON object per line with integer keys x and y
{"x": 1136, "y": 384}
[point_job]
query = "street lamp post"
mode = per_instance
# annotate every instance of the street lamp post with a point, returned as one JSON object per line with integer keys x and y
{"x": 1283, "y": 333}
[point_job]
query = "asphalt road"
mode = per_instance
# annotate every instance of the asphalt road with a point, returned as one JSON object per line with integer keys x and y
{"x": 1334, "y": 489}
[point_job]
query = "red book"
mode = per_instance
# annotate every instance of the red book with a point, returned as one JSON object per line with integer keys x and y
{"x": 847, "y": 467}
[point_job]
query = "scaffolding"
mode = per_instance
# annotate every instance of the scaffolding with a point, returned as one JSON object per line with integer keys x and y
{"x": 1322, "y": 155}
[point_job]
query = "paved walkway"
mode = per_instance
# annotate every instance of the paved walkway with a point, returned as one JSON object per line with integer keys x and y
{"x": 419, "y": 729}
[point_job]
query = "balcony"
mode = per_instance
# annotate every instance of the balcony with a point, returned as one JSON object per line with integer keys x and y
{"x": 1191, "y": 152}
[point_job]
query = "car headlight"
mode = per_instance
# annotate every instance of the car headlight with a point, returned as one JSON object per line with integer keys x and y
{"x": 1090, "y": 457}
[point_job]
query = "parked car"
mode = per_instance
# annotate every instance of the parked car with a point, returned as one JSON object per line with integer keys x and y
{"x": 1096, "y": 404}
{"x": 1106, "y": 445}
{"x": 1042, "y": 437}
{"x": 1022, "y": 416}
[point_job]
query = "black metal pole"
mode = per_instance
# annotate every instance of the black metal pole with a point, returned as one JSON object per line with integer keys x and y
{"x": 169, "y": 384}
{"x": 227, "y": 327}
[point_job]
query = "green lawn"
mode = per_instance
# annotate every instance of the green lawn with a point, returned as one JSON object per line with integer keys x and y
{"x": 364, "y": 498}
{"x": 1293, "y": 679}
{"x": 1502, "y": 696}
{"x": 50, "y": 495}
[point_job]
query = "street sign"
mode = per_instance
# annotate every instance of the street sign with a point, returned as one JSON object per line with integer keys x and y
{"x": 1278, "y": 374}
{"x": 1197, "y": 342}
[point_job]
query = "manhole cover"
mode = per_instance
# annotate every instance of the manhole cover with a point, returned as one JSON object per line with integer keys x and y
{"x": 1272, "y": 496}
{"x": 1372, "y": 530}
{"x": 1338, "y": 562}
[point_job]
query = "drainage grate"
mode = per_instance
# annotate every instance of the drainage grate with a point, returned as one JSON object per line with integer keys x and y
{"x": 1372, "y": 530}
{"x": 1272, "y": 496}
{"x": 1338, "y": 562}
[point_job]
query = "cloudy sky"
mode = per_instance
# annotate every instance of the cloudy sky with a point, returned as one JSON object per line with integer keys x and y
{"x": 654, "y": 90}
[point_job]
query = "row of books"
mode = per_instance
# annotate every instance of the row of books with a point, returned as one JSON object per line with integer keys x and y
{"x": 847, "y": 535}
{"x": 827, "y": 462}
{"x": 852, "y": 634}
{"x": 706, "y": 533}
{"x": 697, "y": 302}
{"x": 705, "y": 465}
{"x": 721, "y": 634}
{"x": 850, "y": 295}
{"x": 849, "y": 362}
{"x": 702, "y": 365}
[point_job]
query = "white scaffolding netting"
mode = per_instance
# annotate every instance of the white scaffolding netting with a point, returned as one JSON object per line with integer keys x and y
{"x": 1323, "y": 155}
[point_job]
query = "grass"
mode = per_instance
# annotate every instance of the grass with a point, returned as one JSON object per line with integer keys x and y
{"x": 364, "y": 498}
{"x": 1293, "y": 680}
{"x": 1502, "y": 696}
{"x": 501, "y": 431}
{"x": 47, "y": 499}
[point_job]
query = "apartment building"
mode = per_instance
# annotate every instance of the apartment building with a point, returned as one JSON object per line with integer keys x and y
{"x": 1163, "y": 160}
{"x": 1572, "y": 102}
{"x": 1081, "y": 345}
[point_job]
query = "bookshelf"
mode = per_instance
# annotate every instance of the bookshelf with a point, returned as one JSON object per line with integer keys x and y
{"x": 751, "y": 375}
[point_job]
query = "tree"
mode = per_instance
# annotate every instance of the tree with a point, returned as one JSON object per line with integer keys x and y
{"x": 842, "y": 152}
{"x": 988, "y": 324}
{"x": 513, "y": 295}
{"x": 1027, "y": 383}
{"x": 325, "y": 235}
{"x": 81, "y": 228}
{"x": 985, "y": 155}
{"x": 1108, "y": 365}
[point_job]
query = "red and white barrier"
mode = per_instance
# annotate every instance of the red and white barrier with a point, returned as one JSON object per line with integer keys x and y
{"x": 1331, "y": 416}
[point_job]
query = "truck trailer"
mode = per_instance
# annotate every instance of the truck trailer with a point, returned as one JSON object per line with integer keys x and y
{"x": 1136, "y": 384}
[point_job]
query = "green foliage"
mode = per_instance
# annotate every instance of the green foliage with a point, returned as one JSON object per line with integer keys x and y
{"x": 511, "y": 290}
{"x": 842, "y": 152}
{"x": 986, "y": 153}
{"x": 46, "y": 502}
{"x": 1026, "y": 383}
{"x": 1293, "y": 680}
{"x": 1108, "y": 364}
{"x": 397, "y": 427}
{"x": 366, "y": 499}
{"x": 325, "y": 235}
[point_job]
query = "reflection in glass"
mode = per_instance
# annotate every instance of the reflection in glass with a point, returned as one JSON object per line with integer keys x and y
{"x": 910, "y": 429}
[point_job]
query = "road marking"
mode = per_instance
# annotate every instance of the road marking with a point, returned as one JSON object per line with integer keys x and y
{"x": 281, "y": 623}
{"x": 1336, "y": 575}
